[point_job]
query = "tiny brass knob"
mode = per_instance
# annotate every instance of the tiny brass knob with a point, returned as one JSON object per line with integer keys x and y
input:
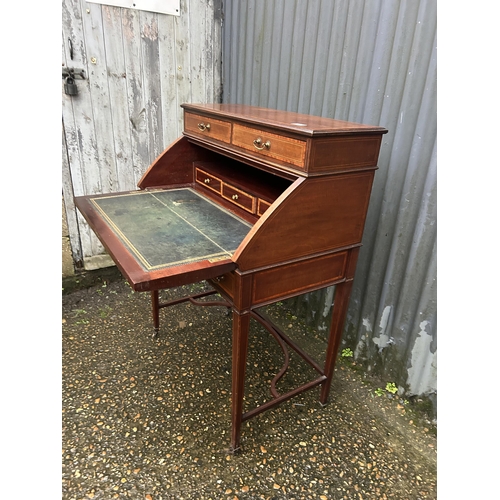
{"x": 260, "y": 146}
{"x": 235, "y": 196}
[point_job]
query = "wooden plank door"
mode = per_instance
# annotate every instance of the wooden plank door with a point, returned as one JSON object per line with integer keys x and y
{"x": 139, "y": 67}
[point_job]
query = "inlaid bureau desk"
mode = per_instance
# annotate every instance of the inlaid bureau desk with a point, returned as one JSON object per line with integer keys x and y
{"x": 262, "y": 204}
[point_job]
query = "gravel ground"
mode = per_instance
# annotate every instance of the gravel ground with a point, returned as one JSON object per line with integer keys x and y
{"x": 149, "y": 418}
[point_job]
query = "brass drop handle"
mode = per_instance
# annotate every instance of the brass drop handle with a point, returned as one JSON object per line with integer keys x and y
{"x": 204, "y": 127}
{"x": 234, "y": 197}
{"x": 258, "y": 144}
{"x": 207, "y": 181}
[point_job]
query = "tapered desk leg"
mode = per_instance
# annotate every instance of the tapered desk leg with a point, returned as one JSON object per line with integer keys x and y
{"x": 156, "y": 311}
{"x": 339, "y": 313}
{"x": 241, "y": 323}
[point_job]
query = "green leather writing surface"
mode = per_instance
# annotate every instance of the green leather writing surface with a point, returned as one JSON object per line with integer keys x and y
{"x": 167, "y": 228}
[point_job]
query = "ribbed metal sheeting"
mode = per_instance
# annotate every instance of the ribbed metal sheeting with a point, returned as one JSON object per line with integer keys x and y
{"x": 372, "y": 62}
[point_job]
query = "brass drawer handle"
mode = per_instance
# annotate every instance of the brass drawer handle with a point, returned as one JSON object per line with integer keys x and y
{"x": 234, "y": 197}
{"x": 207, "y": 181}
{"x": 258, "y": 144}
{"x": 204, "y": 127}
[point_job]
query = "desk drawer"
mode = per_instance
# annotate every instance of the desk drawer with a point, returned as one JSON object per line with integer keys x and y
{"x": 226, "y": 283}
{"x": 275, "y": 146}
{"x": 262, "y": 206}
{"x": 208, "y": 128}
{"x": 208, "y": 180}
{"x": 239, "y": 198}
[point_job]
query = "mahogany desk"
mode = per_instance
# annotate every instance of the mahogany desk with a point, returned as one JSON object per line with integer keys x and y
{"x": 264, "y": 205}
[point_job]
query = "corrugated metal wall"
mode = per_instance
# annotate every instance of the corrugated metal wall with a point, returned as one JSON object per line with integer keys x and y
{"x": 373, "y": 62}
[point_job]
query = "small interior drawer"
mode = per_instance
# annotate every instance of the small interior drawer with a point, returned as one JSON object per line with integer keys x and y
{"x": 210, "y": 128}
{"x": 262, "y": 206}
{"x": 272, "y": 145}
{"x": 208, "y": 180}
{"x": 239, "y": 198}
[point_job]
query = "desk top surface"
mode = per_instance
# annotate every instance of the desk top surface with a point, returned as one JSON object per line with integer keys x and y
{"x": 297, "y": 123}
{"x": 167, "y": 228}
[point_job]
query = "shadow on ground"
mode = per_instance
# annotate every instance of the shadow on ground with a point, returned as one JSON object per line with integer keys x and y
{"x": 149, "y": 418}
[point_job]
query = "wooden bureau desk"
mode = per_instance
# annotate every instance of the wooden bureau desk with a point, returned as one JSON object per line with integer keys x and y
{"x": 264, "y": 205}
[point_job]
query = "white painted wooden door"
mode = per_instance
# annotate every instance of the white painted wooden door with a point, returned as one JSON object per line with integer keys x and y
{"x": 139, "y": 67}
